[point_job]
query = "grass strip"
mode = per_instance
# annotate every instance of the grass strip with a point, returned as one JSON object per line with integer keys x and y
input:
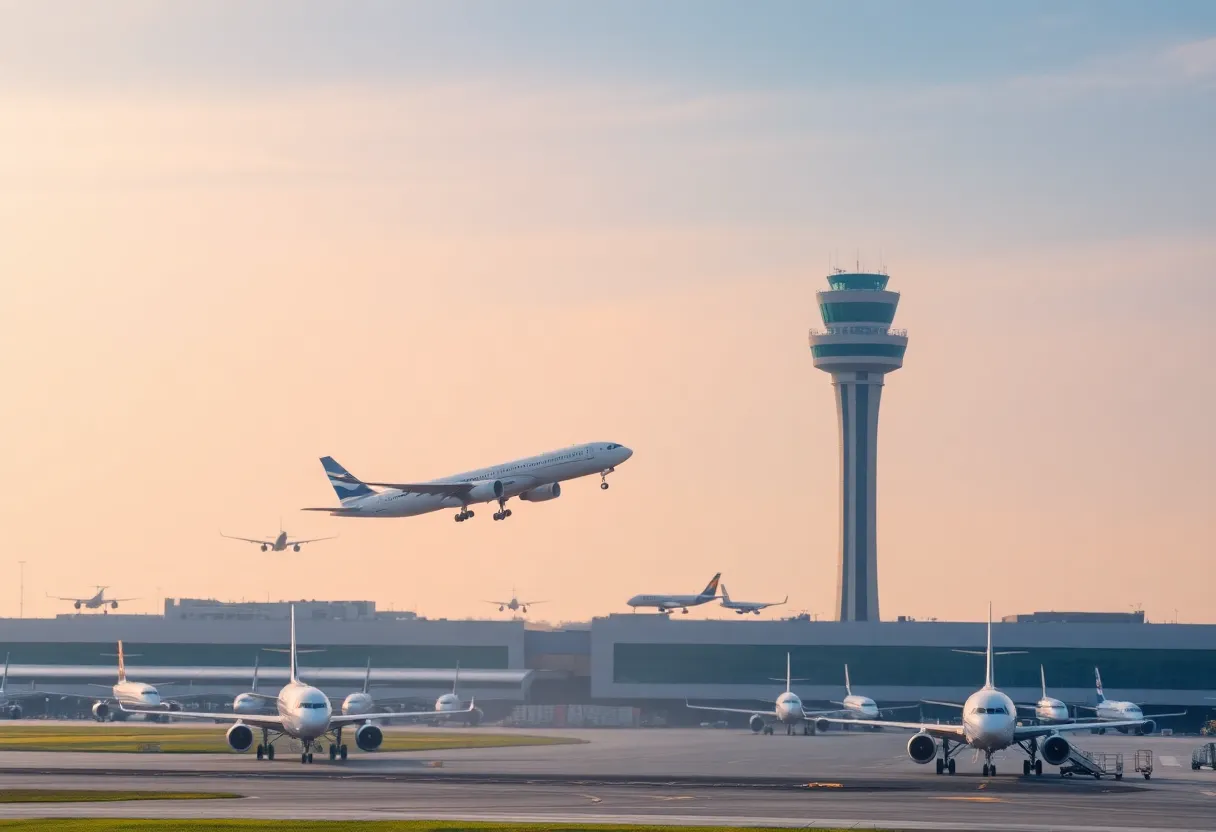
{"x": 101, "y": 796}
{"x": 127, "y": 738}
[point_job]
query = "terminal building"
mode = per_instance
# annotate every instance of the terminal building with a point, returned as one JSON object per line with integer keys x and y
{"x": 208, "y": 648}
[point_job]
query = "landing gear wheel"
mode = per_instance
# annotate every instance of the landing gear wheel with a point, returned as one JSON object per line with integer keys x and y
{"x": 309, "y": 756}
{"x": 1025, "y": 768}
{"x": 342, "y": 752}
{"x": 333, "y": 753}
{"x": 986, "y": 767}
{"x": 950, "y": 766}
{"x": 603, "y": 486}
{"x": 270, "y": 752}
{"x": 303, "y": 758}
{"x": 1038, "y": 768}
{"x": 991, "y": 770}
{"x": 940, "y": 765}
{"x": 261, "y": 752}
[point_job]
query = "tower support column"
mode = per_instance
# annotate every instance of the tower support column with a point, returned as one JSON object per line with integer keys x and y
{"x": 857, "y": 400}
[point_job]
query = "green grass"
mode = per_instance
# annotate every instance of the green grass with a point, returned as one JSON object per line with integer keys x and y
{"x": 99, "y": 796}
{"x": 120, "y": 825}
{"x": 210, "y": 739}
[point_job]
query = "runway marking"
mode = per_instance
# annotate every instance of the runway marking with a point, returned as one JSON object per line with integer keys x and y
{"x": 973, "y": 799}
{"x": 824, "y": 785}
{"x": 674, "y": 797}
{"x": 592, "y": 798}
{"x": 1167, "y": 760}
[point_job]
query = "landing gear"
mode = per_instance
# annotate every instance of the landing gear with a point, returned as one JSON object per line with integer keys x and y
{"x": 941, "y": 766}
{"x": 333, "y": 752}
{"x": 464, "y": 514}
{"x": 1038, "y": 768}
{"x": 945, "y": 762}
{"x": 342, "y": 752}
{"x": 261, "y": 752}
{"x": 1034, "y": 763}
{"x": 604, "y": 478}
{"x": 503, "y": 512}
{"x": 989, "y": 766}
{"x": 266, "y": 748}
{"x": 768, "y": 729}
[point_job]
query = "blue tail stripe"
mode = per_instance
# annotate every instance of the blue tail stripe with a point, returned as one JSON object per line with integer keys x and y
{"x": 344, "y": 483}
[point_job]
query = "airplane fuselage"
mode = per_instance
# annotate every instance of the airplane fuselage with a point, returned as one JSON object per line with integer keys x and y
{"x": 862, "y": 707}
{"x": 358, "y": 703}
{"x": 137, "y": 695}
{"x": 1049, "y": 709}
{"x": 788, "y": 708}
{"x": 533, "y": 479}
{"x": 305, "y": 711}
{"x": 989, "y": 719}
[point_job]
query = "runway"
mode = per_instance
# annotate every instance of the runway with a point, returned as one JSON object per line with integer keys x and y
{"x": 650, "y": 776}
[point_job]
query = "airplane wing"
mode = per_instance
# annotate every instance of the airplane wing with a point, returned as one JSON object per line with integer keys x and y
{"x": 441, "y": 489}
{"x": 1158, "y": 716}
{"x": 1026, "y": 732}
{"x": 530, "y": 603}
{"x": 499, "y": 603}
{"x": 248, "y": 540}
{"x": 752, "y": 712}
{"x": 61, "y": 598}
{"x": 950, "y": 732}
{"x": 333, "y": 509}
{"x": 338, "y": 720}
{"x": 310, "y": 540}
{"x": 272, "y": 721}
{"x": 958, "y": 705}
{"x": 898, "y": 708}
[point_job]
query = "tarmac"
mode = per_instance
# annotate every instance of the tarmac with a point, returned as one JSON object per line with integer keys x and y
{"x": 655, "y": 776}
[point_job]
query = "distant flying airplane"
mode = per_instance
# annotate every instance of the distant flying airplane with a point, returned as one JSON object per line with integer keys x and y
{"x": 534, "y": 479}
{"x": 989, "y": 724}
{"x": 98, "y": 600}
{"x": 667, "y": 603}
{"x": 514, "y": 605}
{"x": 280, "y": 543}
{"x": 1115, "y": 710}
{"x": 303, "y": 713}
{"x": 744, "y": 607}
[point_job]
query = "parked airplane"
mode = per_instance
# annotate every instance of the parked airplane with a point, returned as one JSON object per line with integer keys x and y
{"x": 1115, "y": 710}
{"x": 361, "y": 702}
{"x": 1048, "y": 710}
{"x": 989, "y": 724}
{"x": 449, "y": 707}
{"x": 534, "y": 479}
{"x": 667, "y": 603}
{"x": 787, "y": 710}
{"x": 863, "y": 707}
{"x": 303, "y": 713}
{"x": 10, "y": 704}
{"x": 252, "y": 702}
{"x": 98, "y": 600}
{"x": 280, "y": 543}
{"x": 515, "y": 605}
{"x": 744, "y": 607}
{"x": 138, "y": 695}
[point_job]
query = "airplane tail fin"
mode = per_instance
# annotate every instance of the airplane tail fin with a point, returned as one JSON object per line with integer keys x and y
{"x": 988, "y": 658}
{"x": 122, "y": 663}
{"x": 295, "y": 665}
{"x": 787, "y": 672}
{"x": 4, "y": 678}
{"x": 1098, "y": 685}
{"x": 711, "y": 588}
{"x": 345, "y": 484}
{"x": 848, "y": 689}
{"x": 253, "y": 687}
{"x": 367, "y": 678}
{"x": 1043, "y": 679}
{"x": 725, "y": 594}
{"x": 456, "y": 678}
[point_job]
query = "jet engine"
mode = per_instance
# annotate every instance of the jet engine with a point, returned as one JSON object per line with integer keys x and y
{"x": 296, "y": 547}
{"x": 821, "y": 726}
{"x": 922, "y": 748}
{"x": 485, "y": 491}
{"x": 173, "y": 706}
{"x": 101, "y": 711}
{"x": 476, "y": 716}
{"x": 113, "y": 605}
{"x": 545, "y": 492}
{"x": 76, "y": 605}
{"x": 756, "y": 723}
{"x": 369, "y": 737}
{"x": 14, "y": 712}
{"x": 240, "y": 737}
{"x": 1149, "y": 727}
{"x": 1055, "y": 750}
{"x": 264, "y": 547}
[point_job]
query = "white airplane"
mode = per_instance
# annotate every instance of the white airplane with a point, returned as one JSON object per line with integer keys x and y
{"x": 787, "y": 710}
{"x": 303, "y": 713}
{"x": 667, "y": 603}
{"x": 863, "y": 707}
{"x": 252, "y": 702}
{"x": 361, "y": 701}
{"x": 534, "y": 479}
{"x": 1048, "y": 710}
{"x": 10, "y": 704}
{"x": 514, "y": 605}
{"x": 124, "y": 692}
{"x": 744, "y": 607}
{"x": 280, "y": 543}
{"x": 97, "y": 601}
{"x": 449, "y": 707}
{"x": 989, "y": 725}
{"x": 1109, "y": 711}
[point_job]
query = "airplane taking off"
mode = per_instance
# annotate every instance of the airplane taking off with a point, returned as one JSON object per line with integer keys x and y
{"x": 303, "y": 713}
{"x": 534, "y": 479}
{"x": 280, "y": 543}
{"x": 514, "y": 605}
{"x": 98, "y": 600}
{"x": 990, "y": 724}
{"x": 744, "y": 607}
{"x": 1108, "y": 711}
{"x": 667, "y": 603}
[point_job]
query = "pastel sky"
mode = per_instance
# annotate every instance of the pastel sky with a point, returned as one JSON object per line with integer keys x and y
{"x": 427, "y": 237}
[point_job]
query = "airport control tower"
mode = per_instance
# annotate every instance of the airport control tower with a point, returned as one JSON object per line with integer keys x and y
{"x": 858, "y": 347}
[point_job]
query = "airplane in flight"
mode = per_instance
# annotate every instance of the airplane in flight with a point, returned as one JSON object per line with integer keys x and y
{"x": 666, "y": 604}
{"x": 990, "y": 724}
{"x": 534, "y": 479}
{"x": 514, "y": 605}
{"x": 280, "y": 543}
{"x": 303, "y": 713}
{"x": 97, "y": 601}
{"x": 1108, "y": 711}
{"x": 744, "y": 607}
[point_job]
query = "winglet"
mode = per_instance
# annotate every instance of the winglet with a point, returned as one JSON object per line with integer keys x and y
{"x": 988, "y": 671}
{"x": 122, "y": 664}
{"x": 367, "y": 679}
{"x": 848, "y": 689}
{"x": 295, "y": 667}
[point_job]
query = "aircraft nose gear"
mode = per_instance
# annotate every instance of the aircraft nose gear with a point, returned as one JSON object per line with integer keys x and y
{"x": 604, "y": 478}
{"x": 464, "y": 514}
{"x": 989, "y": 766}
{"x": 503, "y": 512}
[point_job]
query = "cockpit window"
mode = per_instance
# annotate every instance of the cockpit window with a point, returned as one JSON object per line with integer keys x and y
{"x": 314, "y": 705}
{"x": 612, "y": 447}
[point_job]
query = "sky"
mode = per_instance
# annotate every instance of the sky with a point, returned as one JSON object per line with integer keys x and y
{"x": 430, "y": 237}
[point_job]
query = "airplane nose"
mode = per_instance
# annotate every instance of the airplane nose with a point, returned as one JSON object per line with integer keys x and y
{"x": 626, "y": 453}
